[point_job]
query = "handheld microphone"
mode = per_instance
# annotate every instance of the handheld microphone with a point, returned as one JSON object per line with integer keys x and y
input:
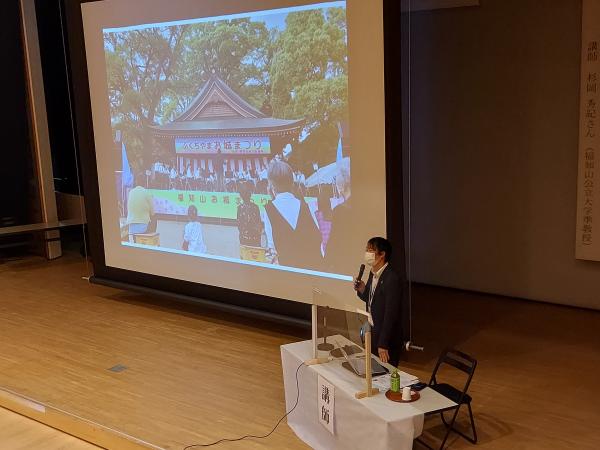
{"x": 360, "y": 272}
{"x": 410, "y": 346}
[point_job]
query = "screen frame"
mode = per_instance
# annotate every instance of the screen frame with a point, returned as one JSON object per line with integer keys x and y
{"x": 270, "y": 308}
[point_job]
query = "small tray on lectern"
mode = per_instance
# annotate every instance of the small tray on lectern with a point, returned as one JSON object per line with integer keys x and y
{"x": 397, "y": 396}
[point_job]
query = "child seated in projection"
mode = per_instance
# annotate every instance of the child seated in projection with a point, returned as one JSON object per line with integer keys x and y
{"x": 193, "y": 240}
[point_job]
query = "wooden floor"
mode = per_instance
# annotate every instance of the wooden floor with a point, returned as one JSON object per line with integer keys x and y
{"x": 20, "y": 433}
{"x": 194, "y": 377}
{"x": 536, "y": 385}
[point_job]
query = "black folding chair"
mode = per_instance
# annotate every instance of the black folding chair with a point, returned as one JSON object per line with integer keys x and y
{"x": 464, "y": 363}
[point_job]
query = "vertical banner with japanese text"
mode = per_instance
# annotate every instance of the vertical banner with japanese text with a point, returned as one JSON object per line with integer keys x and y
{"x": 326, "y": 403}
{"x": 587, "y": 236}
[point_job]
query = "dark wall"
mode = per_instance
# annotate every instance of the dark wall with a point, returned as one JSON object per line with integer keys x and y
{"x": 494, "y": 124}
{"x": 16, "y": 170}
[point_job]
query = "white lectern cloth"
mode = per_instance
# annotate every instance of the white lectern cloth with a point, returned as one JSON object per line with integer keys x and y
{"x": 370, "y": 423}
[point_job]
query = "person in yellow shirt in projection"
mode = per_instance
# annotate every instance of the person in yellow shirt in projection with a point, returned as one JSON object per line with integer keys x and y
{"x": 140, "y": 208}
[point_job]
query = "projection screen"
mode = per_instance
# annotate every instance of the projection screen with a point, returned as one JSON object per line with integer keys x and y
{"x": 239, "y": 144}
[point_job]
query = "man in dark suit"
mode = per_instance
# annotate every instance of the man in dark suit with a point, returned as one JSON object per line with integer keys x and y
{"x": 342, "y": 219}
{"x": 383, "y": 295}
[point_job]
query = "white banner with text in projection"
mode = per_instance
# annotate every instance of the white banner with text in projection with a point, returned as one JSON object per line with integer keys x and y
{"x": 587, "y": 236}
{"x": 253, "y": 145}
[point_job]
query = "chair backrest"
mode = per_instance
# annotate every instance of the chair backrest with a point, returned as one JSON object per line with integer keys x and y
{"x": 458, "y": 360}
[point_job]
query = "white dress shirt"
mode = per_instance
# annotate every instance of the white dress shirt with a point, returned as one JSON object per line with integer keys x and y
{"x": 374, "y": 282}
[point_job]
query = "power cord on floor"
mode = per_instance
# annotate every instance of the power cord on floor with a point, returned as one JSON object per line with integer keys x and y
{"x": 248, "y": 436}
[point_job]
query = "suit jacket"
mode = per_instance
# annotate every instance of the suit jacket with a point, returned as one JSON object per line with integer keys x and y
{"x": 386, "y": 311}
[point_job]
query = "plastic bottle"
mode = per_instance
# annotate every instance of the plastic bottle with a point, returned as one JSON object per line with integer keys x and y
{"x": 395, "y": 381}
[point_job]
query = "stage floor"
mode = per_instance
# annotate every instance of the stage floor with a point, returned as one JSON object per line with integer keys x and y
{"x": 20, "y": 433}
{"x": 190, "y": 376}
{"x": 194, "y": 377}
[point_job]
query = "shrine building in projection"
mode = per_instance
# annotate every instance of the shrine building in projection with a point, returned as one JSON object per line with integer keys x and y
{"x": 221, "y": 129}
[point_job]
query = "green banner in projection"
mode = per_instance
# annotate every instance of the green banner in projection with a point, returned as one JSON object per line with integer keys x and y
{"x": 219, "y": 205}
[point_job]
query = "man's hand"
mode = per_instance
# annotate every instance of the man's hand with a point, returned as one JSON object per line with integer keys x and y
{"x": 359, "y": 286}
{"x": 384, "y": 355}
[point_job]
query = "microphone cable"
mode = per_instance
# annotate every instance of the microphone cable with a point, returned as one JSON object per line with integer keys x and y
{"x": 249, "y": 436}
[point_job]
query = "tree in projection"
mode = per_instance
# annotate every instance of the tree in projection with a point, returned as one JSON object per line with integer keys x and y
{"x": 298, "y": 72}
{"x": 238, "y": 51}
{"x": 309, "y": 78}
{"x": 153, "y": 73}
{"x": 141, "y": 66}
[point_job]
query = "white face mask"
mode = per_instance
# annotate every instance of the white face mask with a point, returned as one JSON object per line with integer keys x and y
{"x": 370, "y": 258}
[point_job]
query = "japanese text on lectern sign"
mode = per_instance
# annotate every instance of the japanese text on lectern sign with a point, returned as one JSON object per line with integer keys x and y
{"x": 588, "y": 189}
{"x": 326, "y": 396}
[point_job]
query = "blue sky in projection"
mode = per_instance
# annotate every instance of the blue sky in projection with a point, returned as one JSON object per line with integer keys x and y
{"x": 272, "y": 18}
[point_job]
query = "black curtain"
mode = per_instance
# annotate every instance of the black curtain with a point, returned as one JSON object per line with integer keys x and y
{"x": 56, "y": 87}
{"x": 393, "y": 154}
{"x": 17, "y": 180}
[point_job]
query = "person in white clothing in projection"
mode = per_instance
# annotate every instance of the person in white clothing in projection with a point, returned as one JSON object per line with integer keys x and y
{"x": 193, "y": 241}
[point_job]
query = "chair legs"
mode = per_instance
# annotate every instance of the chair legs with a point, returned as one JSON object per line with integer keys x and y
{"x": 450, "y": 428}
{"x": 472, "y": 440}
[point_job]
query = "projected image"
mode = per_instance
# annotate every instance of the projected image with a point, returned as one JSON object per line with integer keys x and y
{"x": 233, "y": 135}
